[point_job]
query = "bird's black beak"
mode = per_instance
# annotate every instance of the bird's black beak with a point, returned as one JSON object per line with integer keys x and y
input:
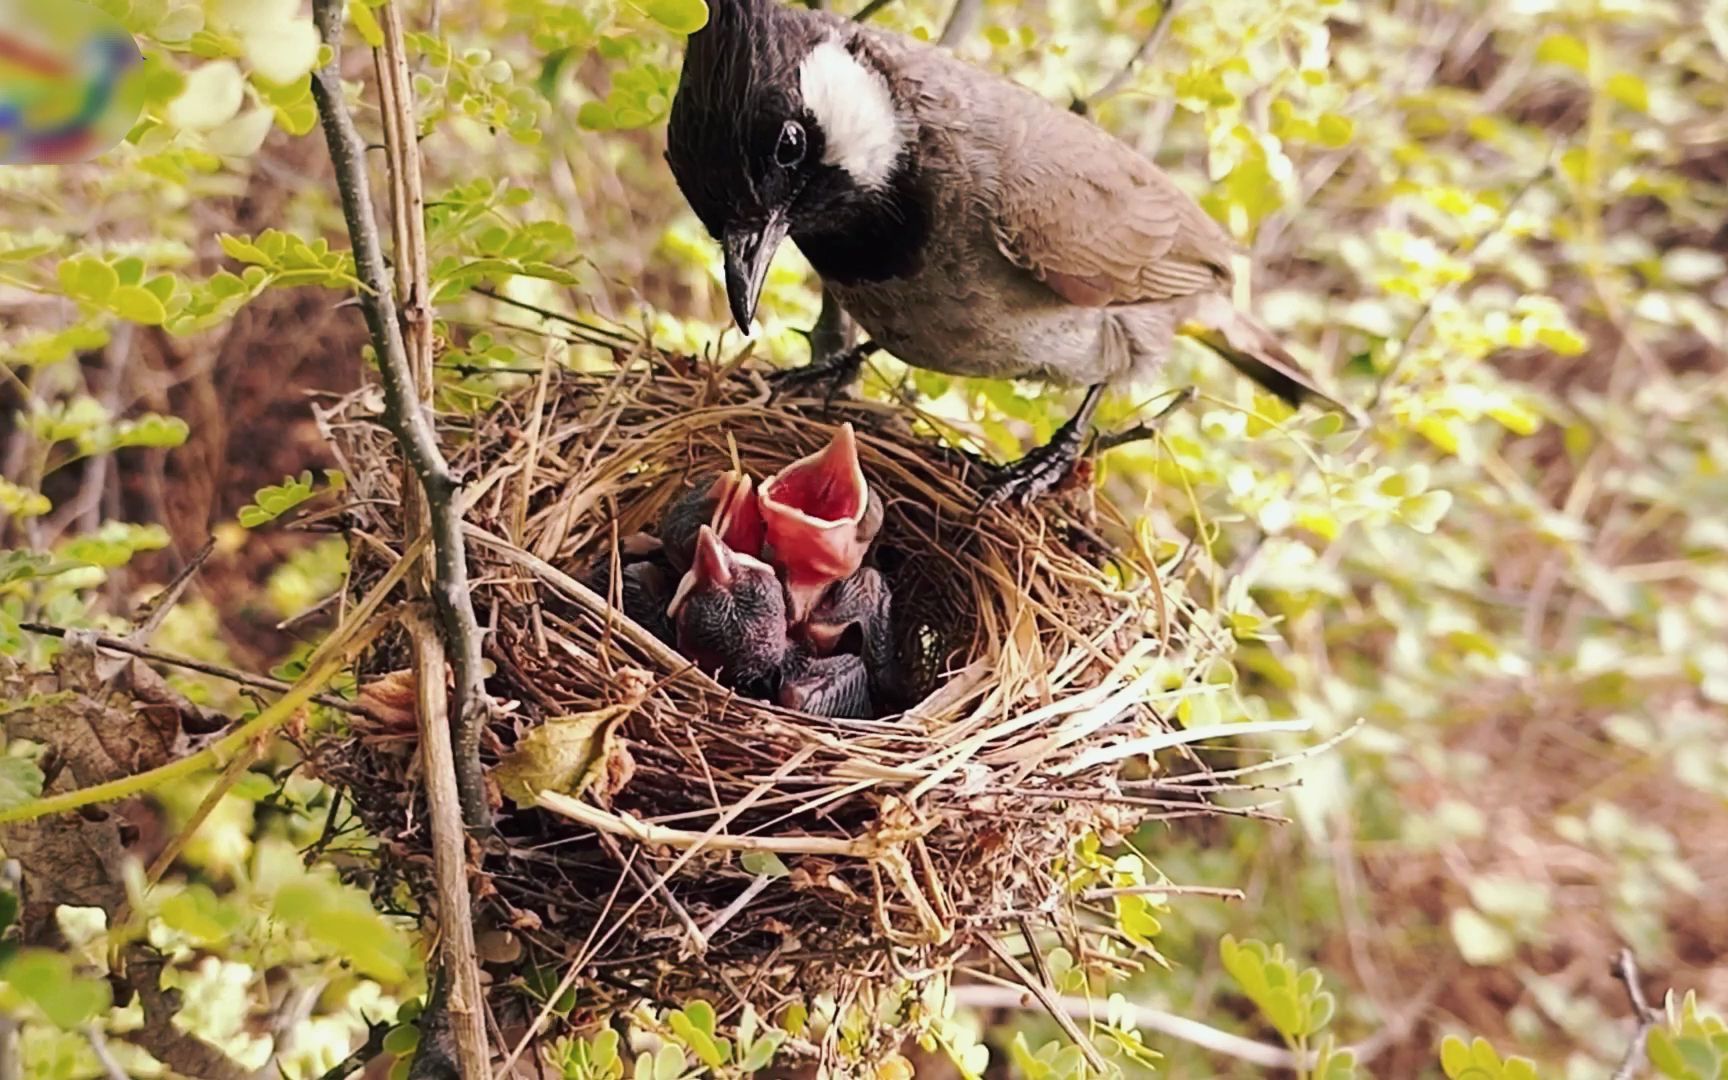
{"x": 749, "y": 249}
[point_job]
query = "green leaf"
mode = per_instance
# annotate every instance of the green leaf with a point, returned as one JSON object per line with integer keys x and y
{"x": 1320, "y": 1011}
{"x": 341, "y": 919}
{"x": 243, "y": 135}
{"x": 367, "y": 24}
{"x": 1518, "y": 1068}
{"x": 138, "y": 304}
{"x": 86, "y": 278}
{"x": 403, "y": 1038}
{"x": 20, "y": 780}
{"x": 1454, "y": 1056}
{"x": 762, "y": 1052}
{"x": 1565, "y": 50}
{"x": 1425, "y": 512}
{"x": 1629, "y": 90}
{"x": 201, "y": 915}
{"x": 241, "y": 250}
{"x": 49, "y": 980}
{"x": 1663, "y": 1054}
{"x": 764, "y": 862}
{"x": 213, "y": 94}
{"x": 1480, "y": 941}
{"x": 669, "y": 1063}
{"x": 678, "y": 16}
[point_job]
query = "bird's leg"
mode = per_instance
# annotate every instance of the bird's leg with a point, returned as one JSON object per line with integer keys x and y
{"x": 833, "y": 363}
{"x": 1145, "y": 429}
{"x": 1043, "y": 468}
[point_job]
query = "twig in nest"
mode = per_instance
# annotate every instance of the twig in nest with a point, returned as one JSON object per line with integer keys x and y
{"x": 1046, "y": 996}
{"x": 1160, "y": 30}
{"x": 1626, "y": 969}
{"x": 408, "y": 419}
{"x": 602, "y": 335}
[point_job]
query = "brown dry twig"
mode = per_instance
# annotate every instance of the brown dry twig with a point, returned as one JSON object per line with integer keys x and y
{"x": 258, "y": 682}
{"x": 1626, "y": 970}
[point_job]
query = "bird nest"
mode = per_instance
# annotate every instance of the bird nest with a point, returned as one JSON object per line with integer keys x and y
{"x": 698, "y": 842}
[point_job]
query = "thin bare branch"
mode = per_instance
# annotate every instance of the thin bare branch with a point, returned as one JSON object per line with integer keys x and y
{"x": 1626, "y": 970}
{"x": 1176, "y": 1027}
{"x": 1154, "y": 38}
{"x": 407, "y": 417}
{"x": 1047, "y": 997}
{"x": 260, "y": 682}
{"x": 962, "y": 20}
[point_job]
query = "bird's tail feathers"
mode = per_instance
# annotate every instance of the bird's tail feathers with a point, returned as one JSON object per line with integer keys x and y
{"x": 1256, "y": 352}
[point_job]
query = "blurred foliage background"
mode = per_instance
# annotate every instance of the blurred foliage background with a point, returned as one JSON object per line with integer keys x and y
{"x": 1499, "y": 226}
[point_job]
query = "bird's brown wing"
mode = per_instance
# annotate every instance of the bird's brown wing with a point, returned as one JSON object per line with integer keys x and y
{"x": 1099, "y": 223}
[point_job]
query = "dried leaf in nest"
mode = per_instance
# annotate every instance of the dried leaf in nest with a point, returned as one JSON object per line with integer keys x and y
{"x": 391, "y": 701}
{"x": 572, "y": 755}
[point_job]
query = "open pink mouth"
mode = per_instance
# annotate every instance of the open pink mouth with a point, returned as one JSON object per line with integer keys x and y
{"x": 825, "y": 489}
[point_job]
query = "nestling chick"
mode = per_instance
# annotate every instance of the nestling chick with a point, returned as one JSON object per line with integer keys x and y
{"x": 729, "y": 614}
{"x": 854, "y": 617}
{"x": 820, "y": 518}
{"x": 835, "y": 686}
{"x": 967, "y": 224}
{"x": 726, "y": 502}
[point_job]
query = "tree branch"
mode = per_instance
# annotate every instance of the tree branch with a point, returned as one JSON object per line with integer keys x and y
{"x": 961, "y": 21}
{"x": 404, "y": 413}
{"x": 259, "y": 682}
{"x": 1177, "y": 1027}
{"x": 1626, "y": 969}
{"x": 868, "y": 11}
{"x": 462, "y": 1005}
{"x": 1160, "y": 30}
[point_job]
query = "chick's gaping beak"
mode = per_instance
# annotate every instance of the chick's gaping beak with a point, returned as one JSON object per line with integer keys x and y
{"x": 712, "y": 565}
{"x": 748, "y": 250}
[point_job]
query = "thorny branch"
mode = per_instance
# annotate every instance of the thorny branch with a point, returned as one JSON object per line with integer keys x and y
{"x": 410, "y": 422}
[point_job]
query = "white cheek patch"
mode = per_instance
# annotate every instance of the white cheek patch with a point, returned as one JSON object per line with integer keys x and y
{"x": 856, "y": 112}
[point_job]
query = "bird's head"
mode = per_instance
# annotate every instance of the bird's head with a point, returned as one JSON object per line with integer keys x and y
{"x": 782, "y": 124}
{"x": 730, "y": 612}
{"x": 819, "y": 516}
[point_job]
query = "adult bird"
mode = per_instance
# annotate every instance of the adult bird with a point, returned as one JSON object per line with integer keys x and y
{"x": 968, "y": 225}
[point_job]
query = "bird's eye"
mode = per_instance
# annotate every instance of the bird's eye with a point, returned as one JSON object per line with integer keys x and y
{"x": 789, "y": 151}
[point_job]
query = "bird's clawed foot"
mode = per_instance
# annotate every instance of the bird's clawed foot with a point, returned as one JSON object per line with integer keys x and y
{"x": 1048, "y": 465}
{"x": 829, "y": 375}
{"x": 1039, "y": 471}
